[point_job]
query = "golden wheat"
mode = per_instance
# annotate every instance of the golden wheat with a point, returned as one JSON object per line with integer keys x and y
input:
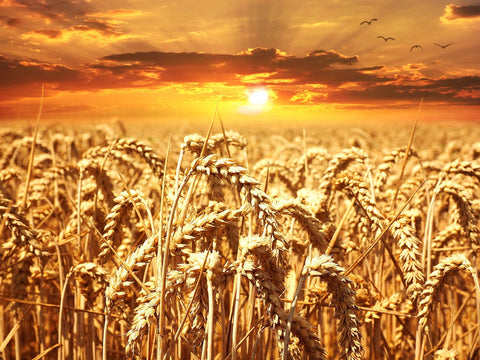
{"x": 237, "y": 245}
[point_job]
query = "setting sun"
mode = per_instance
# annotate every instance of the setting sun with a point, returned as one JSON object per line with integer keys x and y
{"x": 258, "y": 97}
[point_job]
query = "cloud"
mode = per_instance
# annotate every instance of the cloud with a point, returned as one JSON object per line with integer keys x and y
{"x": 465, "y": 90}
{"x": 57, "y": 9}
{"x": 316, "y": 66}
{"x": 459, "y": 83}
{"x": 116, "y": 13}
{"x": 319, "y": 24}
{"x": 319, "y": 77}
{"x": 105, "y": 27}
{"x": 10, "y": 22}
{"x": 308, "y": 97}
{"x": 457, "y": 12}
{"x": 29, "y": 73}
{"x": 50, "y": 33}
{"x": 89, "y": 30}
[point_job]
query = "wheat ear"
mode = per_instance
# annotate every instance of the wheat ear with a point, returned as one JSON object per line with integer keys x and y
{"x": 306, "y": 219}
{"x": 432, "y": 288}
{"x": 410, "y": 256}
{"x": 130, "y": 197}
{"x": 343, "y": 299}
{"x": 248, "y": 188}
{"x": 260, "y": 268}
{"x": 338, "y": 164}
{"x": 464, "y": 214}
{"x": 22, "y": 235}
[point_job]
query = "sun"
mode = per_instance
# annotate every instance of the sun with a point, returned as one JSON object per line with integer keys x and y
{"x": 258, "y": 96}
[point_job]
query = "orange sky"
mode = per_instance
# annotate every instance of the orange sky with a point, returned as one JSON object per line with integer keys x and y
{"x": 177, "y": 59}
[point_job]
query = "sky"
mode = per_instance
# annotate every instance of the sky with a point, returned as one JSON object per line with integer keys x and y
{"x": 182, "y": 59}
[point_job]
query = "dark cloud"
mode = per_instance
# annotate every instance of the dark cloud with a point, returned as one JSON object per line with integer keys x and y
{"x": 316, "y": 66}
{"x": 99, "y": 26}
{"x": 464, "y": 82}
{"x": 69, "y": 15}
{"x": 15, "y": 73}
{"x": 453, "y": 12}
{"x": 57, "y": 9}
{"x": 195, "y": 67}
{"x": 465, "y": 90}
{"x": 256, "y": 60}
{"x": 51, "y": 33}
{"x": 327, "y": 76}
{"x": 10, "y": 22}
{"x": 24, "y": 79}
{"x": 102, "y": 26}
{"x": 454, "y": 91}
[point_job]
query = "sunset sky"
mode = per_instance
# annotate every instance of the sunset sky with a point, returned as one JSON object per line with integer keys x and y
{"x": 178, "y": 59}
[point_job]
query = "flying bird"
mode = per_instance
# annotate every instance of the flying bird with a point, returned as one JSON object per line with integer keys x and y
{"x": 384, "y": 38}
{"x": 415, "y": 46}
{"x": 443, "y": 46}
{"x": 369, "y": 22}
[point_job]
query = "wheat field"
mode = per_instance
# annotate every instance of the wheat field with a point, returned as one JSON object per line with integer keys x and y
{"x": 326, "y": 243}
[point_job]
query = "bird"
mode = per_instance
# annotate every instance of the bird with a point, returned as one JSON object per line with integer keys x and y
{"x": 368, "y": 22}
{"x": 384, "y": 38}
{"x": 443, "y": 46}
{"x": 415, "y": 46}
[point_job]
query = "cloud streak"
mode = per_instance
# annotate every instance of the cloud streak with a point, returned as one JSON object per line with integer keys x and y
{"x": 89, "y": 30}
{"x": 56, "y": 10}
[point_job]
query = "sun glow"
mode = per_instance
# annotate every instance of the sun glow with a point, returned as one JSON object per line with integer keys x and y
{"x": 258, "y": 96}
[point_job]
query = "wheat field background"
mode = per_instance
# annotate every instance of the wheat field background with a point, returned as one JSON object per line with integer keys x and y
{"x": 276, "y": 242}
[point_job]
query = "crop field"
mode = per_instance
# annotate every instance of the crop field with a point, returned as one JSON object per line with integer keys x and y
{"x": 322, "y": 242}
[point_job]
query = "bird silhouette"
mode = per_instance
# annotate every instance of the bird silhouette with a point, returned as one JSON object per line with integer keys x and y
{"x": 369, "y": 22}
{"x": 443, "y": 46}
{"x": 415, "y": 46}
{"x": 384, "y": 38}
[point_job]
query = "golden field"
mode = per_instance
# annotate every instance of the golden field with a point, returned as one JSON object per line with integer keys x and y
{"x": 327, "y": 241}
